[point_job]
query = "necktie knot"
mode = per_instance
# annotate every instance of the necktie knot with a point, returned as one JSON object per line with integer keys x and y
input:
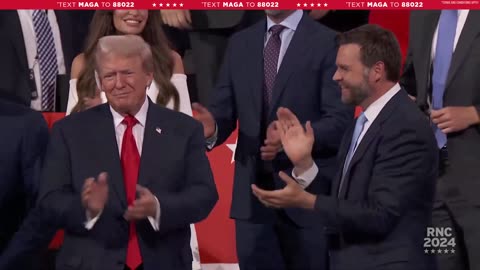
{"x": 361, "y": 120}
{"x": 130, "y": 121}
{"x": 276, "y": 29}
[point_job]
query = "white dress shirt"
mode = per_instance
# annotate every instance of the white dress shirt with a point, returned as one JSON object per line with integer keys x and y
{"x": 291, "y": 24}
{"x": 29, "y": 37}
{"x": 138, "y": 132}
{"x": 178, "y": 80}
{"x": 371, "y": 114}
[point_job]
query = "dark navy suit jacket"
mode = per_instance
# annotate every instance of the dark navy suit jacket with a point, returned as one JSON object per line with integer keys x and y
{"x": 379, "y": 219}
{"x": 23, "y": 139}
{"x": 303, "y": 84}
{"x": 173, "y": 166}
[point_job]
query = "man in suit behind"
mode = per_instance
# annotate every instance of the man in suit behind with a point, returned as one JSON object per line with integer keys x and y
{"x": 380, "y": 203}
{"x": 209, "y": 32}
{"x": 153, "y": 177}
{"x": 446, "y": 87}
{"x": 23, "y": 140}
{"x": 37, "y": 51}
{"x": 250, "y": 90}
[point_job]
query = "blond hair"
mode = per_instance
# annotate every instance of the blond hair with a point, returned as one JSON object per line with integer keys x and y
{"x": 126, "y": 46}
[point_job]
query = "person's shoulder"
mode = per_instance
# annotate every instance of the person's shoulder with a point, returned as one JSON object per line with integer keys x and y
{"x": 13, "y": 109}
{"x": 408, "y": 125}
{"x": 175, "y": 56}
{"x": 21, "y": 116}
{"x": 78, "y": 65}
{"x": 170, "y": 114}
{"x": 408, "y": 107}
{"x": 178, "y": 119}
{"x": 319, "y": 30}
{"x": 407, "y": 115}
{"x": 250, "y": 31}
{"x": 177, "y": 63}
{"x": 83, "y": 119}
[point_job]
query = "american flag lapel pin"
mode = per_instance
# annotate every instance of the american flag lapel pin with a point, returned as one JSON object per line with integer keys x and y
{"x": 158, "y": 130}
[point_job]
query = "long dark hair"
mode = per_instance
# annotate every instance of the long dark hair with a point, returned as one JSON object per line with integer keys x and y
{"x": 102, "y": 25}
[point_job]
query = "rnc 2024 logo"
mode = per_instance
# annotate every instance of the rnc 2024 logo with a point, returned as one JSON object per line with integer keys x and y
{"x": 439, "y": 240}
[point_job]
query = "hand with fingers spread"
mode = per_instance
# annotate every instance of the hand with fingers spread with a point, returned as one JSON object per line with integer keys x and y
{"x": 177, "y": 18}
{"x": 297, "y": 142}
{"x": 454, "y": 119}
{"x": 95, "y": 194}
{"x": 272, "y": 142}
{"x": 292, "y": 195}
{"x": 144, "y": 206}
{"x": 206, "y": 118}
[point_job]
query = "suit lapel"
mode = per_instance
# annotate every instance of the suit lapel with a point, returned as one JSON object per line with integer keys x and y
{"x": 293, "y": 57}
{"x": 426, "y": 30}
{"x": 361, "y": 148}
{"x": 16, "y": 34}
{"x": 342, "y": 154}
{"x": 255, "y": 68}
{"x": 371, "y": 133}
{"x": 469, "y": 33}
{"x": 155, "y": 141}
{"x": 110, "y": 152}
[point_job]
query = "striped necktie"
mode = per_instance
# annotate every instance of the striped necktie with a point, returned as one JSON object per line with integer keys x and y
{"x": 47, "y": 58}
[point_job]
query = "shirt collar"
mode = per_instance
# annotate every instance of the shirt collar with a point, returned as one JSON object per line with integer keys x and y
{"x": 141, "y": 115}
{"x": 376, "y": 107}
{"x": 291, "y": 22}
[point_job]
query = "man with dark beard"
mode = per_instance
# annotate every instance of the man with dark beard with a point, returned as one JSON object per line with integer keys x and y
{"x": 286, "y": 60}
{"x": 380, "y": 203}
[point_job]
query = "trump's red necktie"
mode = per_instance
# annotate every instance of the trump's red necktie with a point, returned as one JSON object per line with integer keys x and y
{"x": 130, "y": 159}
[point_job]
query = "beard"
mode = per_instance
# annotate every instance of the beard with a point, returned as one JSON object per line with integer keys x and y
{"x": 356, "y": 94}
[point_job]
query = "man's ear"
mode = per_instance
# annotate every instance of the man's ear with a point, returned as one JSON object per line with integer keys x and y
{"x": 97, "y": 81}
{"x": 150, "y": 79}
{"x": 379, "y": 69}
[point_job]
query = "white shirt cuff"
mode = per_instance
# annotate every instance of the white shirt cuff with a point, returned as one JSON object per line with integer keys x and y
{"x": 307, "y": 177}
{"x": 155, "y": 222}
{"x": 212, "y": 140}
{"x": 91, "y": 221}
